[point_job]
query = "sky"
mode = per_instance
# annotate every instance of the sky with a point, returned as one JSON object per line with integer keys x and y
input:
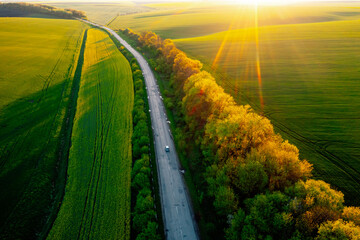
{"x": 262, "y": 2}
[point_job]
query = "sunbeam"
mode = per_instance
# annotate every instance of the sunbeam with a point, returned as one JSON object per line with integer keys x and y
{"x": 222, "y": 45}
{"x": 258, "y": 68}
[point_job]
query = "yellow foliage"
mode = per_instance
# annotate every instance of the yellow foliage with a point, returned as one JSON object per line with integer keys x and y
{"x": 339, "y": 230}
{"x": 237, "y": 139}
{"x": 235, "y": 130}
{"x": 169, "y": 50}
{"x": 150, "y": 39}
{"x": 321, "y": 194}
{"x": 284, "y": 165}
{"x": 185, "y": 67}
{"x": 311, "y": 220}
{"x": 352, "y": 214}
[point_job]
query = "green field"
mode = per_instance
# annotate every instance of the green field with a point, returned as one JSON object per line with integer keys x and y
{"x": 197, "y": 19}
{"x": 310, "y": 88}
{"x": 37, "y": 66}
{"x": 309, "y": 67}
{"x": 309, "y": 61}
{"x": 97, "y": 195}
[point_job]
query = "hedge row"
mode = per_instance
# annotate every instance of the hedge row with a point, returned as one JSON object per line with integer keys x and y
{"x": 145, "y": 219}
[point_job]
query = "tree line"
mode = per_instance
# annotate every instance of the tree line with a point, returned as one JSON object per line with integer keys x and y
{"x": 144, "y": 216}
{"x": 255, "y": 180}
{"x": 23, "y": 9}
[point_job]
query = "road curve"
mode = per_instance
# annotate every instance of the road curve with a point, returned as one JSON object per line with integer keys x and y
{"x": 179, "y": 221}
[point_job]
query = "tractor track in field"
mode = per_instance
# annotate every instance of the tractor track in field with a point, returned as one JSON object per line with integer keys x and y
{"x": 46, "y": 85}
{"x": 318, "y": 146}
{"x": 105, "y": 122}
{"x": 49, "y": 78}
{"x": 103, "y": 141}
{"x": 93, "y": 167}
{"x": 66, "y": 130}
{"x": 40, "y": 156}
{"x": 97, "y": 176}
{"x": 321, "y": 149}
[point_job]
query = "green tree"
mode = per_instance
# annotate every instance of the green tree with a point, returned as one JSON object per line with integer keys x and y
{"x": 141, "y": 180}
{"x": 267, "y": 216}
{"x": 250, "y": 178}
{"x": 225, "y": 200}
{"x": 150, "y": 232}
{"x": 141, "y": 219}
{"x": 236, "y": 224}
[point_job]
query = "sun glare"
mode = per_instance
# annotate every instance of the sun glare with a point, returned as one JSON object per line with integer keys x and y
{"x": 264, "y": 2}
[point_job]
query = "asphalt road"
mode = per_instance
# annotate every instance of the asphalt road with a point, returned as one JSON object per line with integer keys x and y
{"x": 179, "y": 221}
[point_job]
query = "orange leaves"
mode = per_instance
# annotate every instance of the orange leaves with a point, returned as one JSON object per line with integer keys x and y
{"x": 182, "y": 66}
{"x": 185, "y": 67}
{"x": 202, "y": 89}
{"x": 150, "y": 39}
{"x": 352, "y": 214}
{"x": 169, "y": 50}
{"x": 311, "y": 220}
{"x": 283, "y": 164}
{"x": 231, "y": 132}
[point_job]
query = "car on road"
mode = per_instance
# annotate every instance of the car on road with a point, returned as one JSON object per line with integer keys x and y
{"x": 167, "y": 148}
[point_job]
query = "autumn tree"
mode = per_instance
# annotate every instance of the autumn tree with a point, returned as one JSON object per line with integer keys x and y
{"x": 313, "y": 203}
{"x": 203, "y": 97}
{"x": 132, "y": 34}
{"x": 338, "y": 230}
{"x": 150, "y": 39}
{"x": 351, "y": 214}
{"x": 253, "y": 177}
{"x": 183, "y": 68}
{"x": 169, "y": 51}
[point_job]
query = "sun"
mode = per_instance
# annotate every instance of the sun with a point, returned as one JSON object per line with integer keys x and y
{"x": 264, "y": 2}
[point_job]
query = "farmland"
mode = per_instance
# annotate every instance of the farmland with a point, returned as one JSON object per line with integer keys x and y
{"x": 66, "y": 105}
{"x": 308, "y": 64}
{"x": 104, "y": 13}
{"x": 194, "y": 19}
{"x": 36, "y": 80}
{"x": 309, "y": 87}
{"x": 98, "y": 186}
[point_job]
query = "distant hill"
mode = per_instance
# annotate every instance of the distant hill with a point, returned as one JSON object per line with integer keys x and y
{"x": 27, "y": 9}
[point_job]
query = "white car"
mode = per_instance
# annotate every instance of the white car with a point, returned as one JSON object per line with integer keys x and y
{"x": 167, "y": 149}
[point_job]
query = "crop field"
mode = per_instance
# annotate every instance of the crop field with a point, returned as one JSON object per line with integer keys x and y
{"x": 96, "y": 204}
{"x": 305, "y": 58}
{"x": 309, "y": 88}
{"x": 104, "y": 13}
{"x": 195, "y": 19}
{"x": 37, "y": 67}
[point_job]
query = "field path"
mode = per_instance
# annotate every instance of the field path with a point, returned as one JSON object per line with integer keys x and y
{"x": 177, "y": 211}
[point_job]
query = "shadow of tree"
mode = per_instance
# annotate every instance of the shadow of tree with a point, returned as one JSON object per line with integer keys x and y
{"x": 35, "y": 134}
{"x": 28, "y": 128}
